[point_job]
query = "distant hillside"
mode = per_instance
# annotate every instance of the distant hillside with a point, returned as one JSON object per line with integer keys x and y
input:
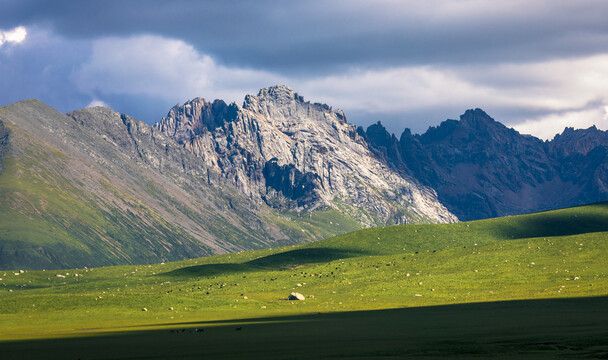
{"x": 482, "y": 169}
{"x": 95, "y": 188}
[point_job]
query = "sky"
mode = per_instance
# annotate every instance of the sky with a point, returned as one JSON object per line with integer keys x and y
{"x": 535, "y": 65}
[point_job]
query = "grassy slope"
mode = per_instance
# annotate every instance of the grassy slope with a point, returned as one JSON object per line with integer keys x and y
{"x": 553, "y": 255}
{"x": 50, "y": 220}
{"x": 72, "y": 203}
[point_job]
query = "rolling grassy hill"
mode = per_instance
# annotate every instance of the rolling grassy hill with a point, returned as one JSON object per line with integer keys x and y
{"x": 542, "y": 279}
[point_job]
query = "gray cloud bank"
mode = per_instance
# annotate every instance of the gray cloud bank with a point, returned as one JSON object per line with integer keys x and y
{"x": 535, "y": 65}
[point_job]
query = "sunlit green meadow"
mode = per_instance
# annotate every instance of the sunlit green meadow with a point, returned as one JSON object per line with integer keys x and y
{"x": 555, "y": 255}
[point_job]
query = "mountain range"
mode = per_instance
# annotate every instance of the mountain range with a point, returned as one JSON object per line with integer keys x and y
{"x": 95, "y": 187}
{"x": 482, "y": 169}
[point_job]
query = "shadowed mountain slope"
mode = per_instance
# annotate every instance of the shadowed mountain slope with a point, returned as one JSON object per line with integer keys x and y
{"x": 481, "y": 169}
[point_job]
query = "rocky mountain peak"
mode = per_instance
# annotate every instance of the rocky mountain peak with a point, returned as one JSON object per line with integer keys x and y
{"x": 475, "y": 115}
{"x": 280, "y": 102}
{"x": 475, "y": 127}
{"x": 579, "y": 141}
{"x": 278, "y": 93}
{"x": 384, "y": 144}
{"x": 477, "y": 121}
{"x": 183, "y": 122}
{"x": 300, "y": 156}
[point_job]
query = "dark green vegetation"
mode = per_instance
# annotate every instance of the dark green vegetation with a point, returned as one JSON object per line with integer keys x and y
{"x": 96, "y": 188}
{"x": 464, "y": 289}
{"x": 533, "y": 329}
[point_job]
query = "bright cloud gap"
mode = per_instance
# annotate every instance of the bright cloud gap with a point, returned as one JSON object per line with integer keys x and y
{"x": 16, "y": 35}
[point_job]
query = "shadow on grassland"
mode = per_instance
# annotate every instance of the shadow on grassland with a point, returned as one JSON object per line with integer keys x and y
{"x": 271, "y": 262}
{"x": 532, "y": 329}
{"x": 303, "y": 256}
{"x": 560, "y": 223}
{"x": 210, "y": 270}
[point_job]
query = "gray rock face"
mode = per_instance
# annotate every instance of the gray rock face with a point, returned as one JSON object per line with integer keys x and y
{"x": 481, "y": 169}
{"x": 294, "y": 155}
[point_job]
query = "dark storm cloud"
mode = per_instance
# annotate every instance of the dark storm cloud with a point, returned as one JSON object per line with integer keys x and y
{"x": 537, "y": 65}
{"x": 40, "y": 68}
{"x": 322, "y": 36}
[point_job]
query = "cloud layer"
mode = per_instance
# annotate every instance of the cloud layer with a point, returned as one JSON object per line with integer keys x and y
{"x": 163, "y": 68}
{"x": 537, "y": 66}
{"x": 552, "y": 94}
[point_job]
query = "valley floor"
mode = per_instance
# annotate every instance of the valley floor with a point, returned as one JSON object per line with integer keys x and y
{"x": 533, "y": 286}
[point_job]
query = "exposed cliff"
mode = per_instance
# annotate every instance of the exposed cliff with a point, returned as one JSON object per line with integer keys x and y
{"x": 295, "y": 155}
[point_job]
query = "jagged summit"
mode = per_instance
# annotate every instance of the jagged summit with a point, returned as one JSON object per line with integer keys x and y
{"x": 477, "y": 120}
{"x": 474, "y": 125}
{"x": 183, "y": 122}
{"x": 475, "y": 114}
{"x": 278, "y": 93}
{"x": 280, "y": 102}
{"x": 291, "y": 154}
{"x": 580, "y": 141}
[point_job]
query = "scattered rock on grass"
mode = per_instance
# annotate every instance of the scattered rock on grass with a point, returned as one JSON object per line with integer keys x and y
{"x": 296, "y": 296}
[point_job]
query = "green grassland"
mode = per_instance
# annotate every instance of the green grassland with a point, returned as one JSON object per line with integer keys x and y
{"x": 524, "y": 286}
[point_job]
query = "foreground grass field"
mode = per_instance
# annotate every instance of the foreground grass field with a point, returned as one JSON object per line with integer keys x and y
{"x": 463, "y": 289}
{"x": 519, "y": 329}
